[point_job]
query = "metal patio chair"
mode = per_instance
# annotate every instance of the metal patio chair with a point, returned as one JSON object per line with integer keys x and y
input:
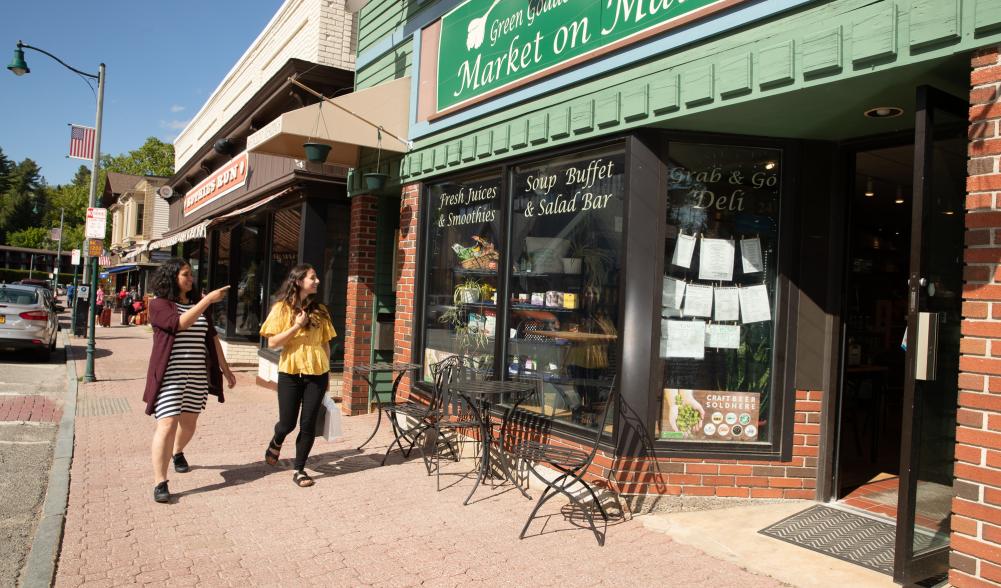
{"x": 418, "y": 417}
{"x": 572, "y": 463}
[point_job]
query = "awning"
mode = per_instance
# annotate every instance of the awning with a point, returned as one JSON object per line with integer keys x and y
{"x": 249, "y": 207}
{"x": 134, "y": 253}
{"x": 191, "y": 233}
{"x": 346, "y": 122}
{"x": 121, "y": 269}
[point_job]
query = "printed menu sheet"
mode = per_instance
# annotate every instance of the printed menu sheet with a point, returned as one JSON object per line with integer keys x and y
{"x": 674, "y": 292}
{"x": 683, "y": 339}
{"x": 754, "y": 306}
{"x": 723, "y": 336}
{"x": 727, "y": 304}
{"x": 750, "y": 256}
{"x": 699, "y": 300}
{"x": 683, "y": 251}
{"x": 716, "y": 260}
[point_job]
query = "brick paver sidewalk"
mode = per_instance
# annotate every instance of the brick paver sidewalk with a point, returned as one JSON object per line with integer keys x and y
{"x": 236, "y": 521}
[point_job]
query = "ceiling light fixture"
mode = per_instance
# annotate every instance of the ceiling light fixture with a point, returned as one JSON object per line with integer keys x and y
{"x": 770, "y": 165}
{"x": 900, "y": 195}
{"x": 869, "y": 193}
{"x": 884, "y": 112}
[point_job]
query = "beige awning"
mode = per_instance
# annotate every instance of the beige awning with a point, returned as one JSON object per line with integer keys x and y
{"x": 346, "y": 122}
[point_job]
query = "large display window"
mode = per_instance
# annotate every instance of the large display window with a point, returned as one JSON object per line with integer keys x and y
{"x": 719, "y": 290}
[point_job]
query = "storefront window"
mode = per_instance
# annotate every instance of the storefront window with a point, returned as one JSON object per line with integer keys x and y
{"x": 193, "y": 252}
{"x": 220, "y": 277}
{"x": 284, "y": 248}
{"x": 566, "y": 243}
{"x": 250, "y": 287}
{"x": 460, "y": 316}
{"x": 717, "y": 325}
{"x": 334, "y": 273}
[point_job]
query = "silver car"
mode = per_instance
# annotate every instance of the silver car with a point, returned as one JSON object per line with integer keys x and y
{"x": 28, "y": 319}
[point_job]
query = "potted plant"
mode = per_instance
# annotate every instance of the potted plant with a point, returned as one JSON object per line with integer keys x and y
{"x": 467, "y": 292}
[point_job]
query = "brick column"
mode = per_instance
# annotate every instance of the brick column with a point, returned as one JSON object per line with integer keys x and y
{"x": 358, "y": 319}
{"x": 405, "y": 291}
{"x": 976, "y": 523}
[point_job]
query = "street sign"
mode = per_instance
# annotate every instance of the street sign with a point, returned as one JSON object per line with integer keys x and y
{"x": 55, "y": 234}
{"x": 94, "y": 247}
{"x": 97, "y": 223}
{"x": 76, "y": 257}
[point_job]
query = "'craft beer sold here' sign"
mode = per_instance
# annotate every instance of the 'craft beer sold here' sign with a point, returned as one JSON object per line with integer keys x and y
{"x": 489, "y": 46}
{"x": 219, "y": 183}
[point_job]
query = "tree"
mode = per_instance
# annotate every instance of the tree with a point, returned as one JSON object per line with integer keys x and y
{"x": 24, "y": 202}
{"x": 153, "y": 158}
{"x": 34, "y": 237}
{"x": 6, "y": 169}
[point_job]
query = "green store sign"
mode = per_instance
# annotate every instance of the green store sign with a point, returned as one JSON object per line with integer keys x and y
{"x": 489, "y": 45}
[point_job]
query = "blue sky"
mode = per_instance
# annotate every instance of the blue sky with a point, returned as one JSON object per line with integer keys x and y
{"x": 164, "y": 58}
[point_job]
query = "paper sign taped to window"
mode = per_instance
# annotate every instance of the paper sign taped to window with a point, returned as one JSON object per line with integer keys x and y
{"x": 726, "y": 303}
{"x": 723, "y": 336}
{"x": 674, "y": 292}
{"x": 750, "y": 256}
{"x": 683, "y": 251}
{"x": 683, "y": 339}
{"x": 754, "y": 305}
{"x": 716, "y": 260}
{"x": 699, "y": 300}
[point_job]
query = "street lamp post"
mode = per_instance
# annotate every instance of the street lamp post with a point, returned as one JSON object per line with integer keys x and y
{"x": 20, "y": 67}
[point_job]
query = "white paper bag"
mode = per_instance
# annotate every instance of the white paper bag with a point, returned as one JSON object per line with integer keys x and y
{"x": 328, "y": 422}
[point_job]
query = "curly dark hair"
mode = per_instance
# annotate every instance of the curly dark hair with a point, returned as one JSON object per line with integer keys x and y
{"x": 165, "y": 281}
{"x": 288, "y": 293}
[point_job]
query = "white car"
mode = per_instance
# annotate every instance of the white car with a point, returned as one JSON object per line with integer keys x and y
{"x": 28, "y": 319}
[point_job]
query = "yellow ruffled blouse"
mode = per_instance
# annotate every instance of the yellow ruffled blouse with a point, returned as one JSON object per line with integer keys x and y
{"x": 306, "y": 351}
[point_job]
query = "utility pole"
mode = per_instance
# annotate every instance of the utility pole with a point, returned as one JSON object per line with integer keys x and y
{"x": 59, "y": 251}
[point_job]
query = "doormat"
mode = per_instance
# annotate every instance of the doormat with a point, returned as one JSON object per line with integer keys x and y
{"x": 849, "y": 537}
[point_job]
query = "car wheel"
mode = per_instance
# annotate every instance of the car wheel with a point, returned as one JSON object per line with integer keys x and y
{"x": 52, "y": 346}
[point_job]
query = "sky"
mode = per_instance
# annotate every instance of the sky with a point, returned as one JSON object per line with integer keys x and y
{"x": 164, "y": 58}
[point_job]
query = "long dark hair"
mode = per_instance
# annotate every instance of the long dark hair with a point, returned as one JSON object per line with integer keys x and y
{"x": 288, "y": 293}
{"x": 165, "y": 281}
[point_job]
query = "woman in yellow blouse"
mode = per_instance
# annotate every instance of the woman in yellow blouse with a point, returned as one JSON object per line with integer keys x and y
{"x": 301, "y": 327}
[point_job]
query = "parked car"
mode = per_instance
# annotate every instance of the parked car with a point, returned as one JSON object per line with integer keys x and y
{"x": 28, "y": 319}
{"x": 36, "y": 282}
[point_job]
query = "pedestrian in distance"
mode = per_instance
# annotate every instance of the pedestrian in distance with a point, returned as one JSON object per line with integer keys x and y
{"x": 186, "y": 365}
{"x": 126, "y": 298}
{"x": 99, "y": 305}
{"x": 301, "y": 326}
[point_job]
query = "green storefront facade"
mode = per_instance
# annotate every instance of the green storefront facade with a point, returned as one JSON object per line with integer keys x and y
{"x": 754, "y": 218}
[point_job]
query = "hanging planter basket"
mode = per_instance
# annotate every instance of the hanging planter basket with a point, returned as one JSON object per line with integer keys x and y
{"x": 375, "y": 181}
{"x": 316, "y": 152}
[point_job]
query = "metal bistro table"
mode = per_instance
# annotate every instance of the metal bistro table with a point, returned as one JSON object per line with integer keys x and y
{"x": 383, "y": 367}
{"x": 481, "y": 394}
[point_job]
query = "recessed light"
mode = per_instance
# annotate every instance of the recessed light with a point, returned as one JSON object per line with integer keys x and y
{"x": 884, "y": 112}
{"x": 900, "y": 195}
{"x": 869, "y": 193}
{"x": 770, "y": 165}
{"x": 948, "y": 213}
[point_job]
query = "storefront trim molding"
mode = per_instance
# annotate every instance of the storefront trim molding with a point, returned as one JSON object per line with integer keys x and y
{"x": 832, "y": 42}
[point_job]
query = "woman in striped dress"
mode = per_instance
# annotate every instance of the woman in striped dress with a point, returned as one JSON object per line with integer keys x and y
{"x": 186, "y": 365}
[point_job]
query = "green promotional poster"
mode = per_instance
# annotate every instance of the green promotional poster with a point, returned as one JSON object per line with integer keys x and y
{"x": 490, "y": 44}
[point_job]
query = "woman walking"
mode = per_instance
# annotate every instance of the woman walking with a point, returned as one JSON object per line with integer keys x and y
{"x": 301, "y": 327}
{"x": 186, "y": 365}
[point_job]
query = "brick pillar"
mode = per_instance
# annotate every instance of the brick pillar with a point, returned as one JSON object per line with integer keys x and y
{"x": 976, "y": 523}
{"x": 358, "y": 319}
{"x": 405, "y": 291}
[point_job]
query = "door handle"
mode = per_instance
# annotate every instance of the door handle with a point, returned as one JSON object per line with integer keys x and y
{"x": 926, "y": 350}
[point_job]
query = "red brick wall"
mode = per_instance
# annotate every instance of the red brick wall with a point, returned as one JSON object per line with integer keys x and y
{"x": 405, "y": 293}
{"x": 358, "y": 321}
{"x": 976, "y": 522}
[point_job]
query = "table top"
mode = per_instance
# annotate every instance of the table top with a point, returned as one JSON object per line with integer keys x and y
{"x": 384, "y": 366}
{"x": 492, "y": 387}
{"x": 576, "y": 336}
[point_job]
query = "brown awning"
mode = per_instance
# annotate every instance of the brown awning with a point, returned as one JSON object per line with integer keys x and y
{"x": 346, "y": 122}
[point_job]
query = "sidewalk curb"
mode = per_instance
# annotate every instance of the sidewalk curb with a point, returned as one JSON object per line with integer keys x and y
{"x": 40, "y": 567}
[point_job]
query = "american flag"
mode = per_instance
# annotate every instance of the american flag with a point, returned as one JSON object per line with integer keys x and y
{"x": 81, "y": 142}
{"x": 104, "y": 259}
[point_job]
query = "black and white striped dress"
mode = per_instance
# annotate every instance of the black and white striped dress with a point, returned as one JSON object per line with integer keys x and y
{"x": 185, "y": 386}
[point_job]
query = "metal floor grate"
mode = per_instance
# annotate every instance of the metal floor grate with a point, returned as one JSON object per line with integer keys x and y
{"x": 87, "y": 407}
{"x": 849, "y": 537}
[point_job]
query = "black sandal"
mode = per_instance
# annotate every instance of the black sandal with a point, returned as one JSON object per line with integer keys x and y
{"x": 301, "y": 479}
{"x": 272, "y": 453}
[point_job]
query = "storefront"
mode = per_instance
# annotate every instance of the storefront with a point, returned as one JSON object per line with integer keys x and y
{"x": 754, "y": 218}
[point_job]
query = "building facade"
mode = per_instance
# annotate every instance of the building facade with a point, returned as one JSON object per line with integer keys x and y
{"x": 771, "y": 225}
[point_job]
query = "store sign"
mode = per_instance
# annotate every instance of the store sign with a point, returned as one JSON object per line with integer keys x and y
{"x": 489, "y": 46}
{"x": 223, "y": 181}
{"x": 710, "y": 415}
{"x": 75, "y": 257}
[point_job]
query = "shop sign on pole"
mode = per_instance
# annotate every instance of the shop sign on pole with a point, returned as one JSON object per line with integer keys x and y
{"x": 76, "y": 257}
{"x": 97, "y": 223}
{"x": 95, "y": 247}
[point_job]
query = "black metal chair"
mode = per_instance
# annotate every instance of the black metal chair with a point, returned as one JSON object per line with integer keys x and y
{"x": 417, "y": 416}
{"x": 572, "y": 463}
{"x": 452, "y": 414}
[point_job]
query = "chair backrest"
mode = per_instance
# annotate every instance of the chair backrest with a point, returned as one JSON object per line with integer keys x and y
{"x": 613, "y": 399}
{"x": 442, "y": 374}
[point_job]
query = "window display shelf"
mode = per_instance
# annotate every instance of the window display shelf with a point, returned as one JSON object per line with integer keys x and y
{"x": 541, "y": 307}
{"x": 473, "y": 272}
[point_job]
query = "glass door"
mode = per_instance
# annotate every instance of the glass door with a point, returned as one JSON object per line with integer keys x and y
{"x": 934, "y": 301}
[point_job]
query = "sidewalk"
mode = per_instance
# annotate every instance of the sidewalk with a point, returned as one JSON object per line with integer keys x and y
{"x": 235, "y": 521}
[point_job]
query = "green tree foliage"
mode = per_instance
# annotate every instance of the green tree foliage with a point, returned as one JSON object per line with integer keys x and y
{"x": 23, "y": 203}
{"x": 34, "y": 237}
{"x": 153, "y": 158}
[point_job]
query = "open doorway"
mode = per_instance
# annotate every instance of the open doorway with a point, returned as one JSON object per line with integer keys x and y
{"x": 875, "y": 318}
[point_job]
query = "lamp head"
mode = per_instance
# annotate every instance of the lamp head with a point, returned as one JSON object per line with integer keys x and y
{"x": 18, "y": 65}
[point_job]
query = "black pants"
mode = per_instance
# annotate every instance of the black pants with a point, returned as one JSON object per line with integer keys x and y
{"x": 295, "y": 392}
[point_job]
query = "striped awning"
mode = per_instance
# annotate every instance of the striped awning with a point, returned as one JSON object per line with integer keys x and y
{"x": 189, "y": 234}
